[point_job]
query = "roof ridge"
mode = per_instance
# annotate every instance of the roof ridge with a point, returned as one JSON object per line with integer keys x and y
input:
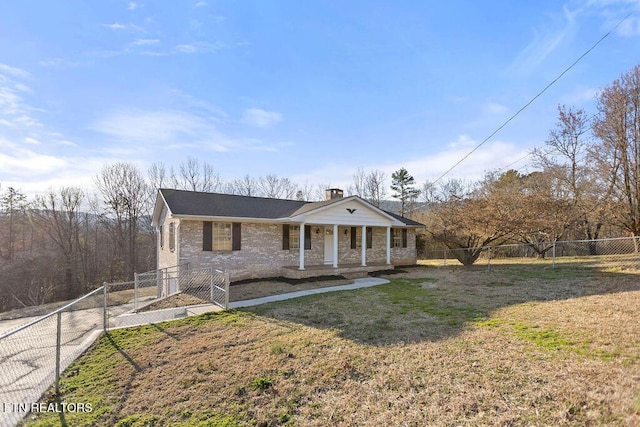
{"x": 234, "y": 195}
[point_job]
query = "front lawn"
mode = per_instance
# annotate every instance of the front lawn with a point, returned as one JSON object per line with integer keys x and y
{"x": 436, "y": 346}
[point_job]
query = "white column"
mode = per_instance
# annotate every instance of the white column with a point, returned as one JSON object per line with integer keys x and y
{"x": 364, "y": 245}
{"x": 301, "y": 247}
{"x": 335, "y": 245}
{"x": 388, "y": 245}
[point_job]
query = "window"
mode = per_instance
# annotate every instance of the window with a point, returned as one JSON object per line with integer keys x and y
{"x": 161, "y": 237}
{"x": 291, "y": 237}
{"x": 294, "y": 237}
{"x": 221, "y": 236}
{"x": 172, "y": 236}
{"x": 356, "y": 237}
{"x": 397, "y": 238}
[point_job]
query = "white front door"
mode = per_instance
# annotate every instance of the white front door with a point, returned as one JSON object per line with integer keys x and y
{"x": 328, "y": 245}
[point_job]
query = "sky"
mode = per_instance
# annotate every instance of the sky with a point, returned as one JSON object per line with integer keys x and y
{"x": 306, "y": 90}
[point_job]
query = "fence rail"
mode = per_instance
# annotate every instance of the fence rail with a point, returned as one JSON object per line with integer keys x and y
{"x": 33, "y": 355}
{"x": 615, "y": 253}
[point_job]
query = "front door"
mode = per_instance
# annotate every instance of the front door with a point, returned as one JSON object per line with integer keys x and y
{"x": 328, "y": 245}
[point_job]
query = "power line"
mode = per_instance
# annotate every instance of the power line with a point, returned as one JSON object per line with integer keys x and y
{"x": 532, "y": 99}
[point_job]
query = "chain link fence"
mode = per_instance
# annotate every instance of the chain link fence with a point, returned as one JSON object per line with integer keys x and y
{"x": 616, "y": 254}
{"x": 33, "y": 355}
{"x": 165, "y": 294}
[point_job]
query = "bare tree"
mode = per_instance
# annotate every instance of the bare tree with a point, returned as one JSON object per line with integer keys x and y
{"x": 245, "y": 186}
{"x": 370, "y": 186}
{"x": 617, "y": 127}
{"x": 375, "y": 187}
{"x": 125, "y": 193}
{"x": 192, "y": 175}
{"x": 358, "y": 187}
{"x": 13, "y": 203}
{"x": 58, "y": 213}
{"x": 276, "y": 187}
{"x": 461, "y": 218}
{"x": 567, "y": 159}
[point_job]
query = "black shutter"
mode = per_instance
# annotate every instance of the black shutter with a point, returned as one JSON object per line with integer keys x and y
{"x": 307, "y": 237}
{"x": 404, "y": 237}
{"x": 285, "y": 237}
{"x": 369, "y": 237}
{"x": 236, "y": 236}
{"x": 207, "y": 235}
{"x": 353, "y": 237}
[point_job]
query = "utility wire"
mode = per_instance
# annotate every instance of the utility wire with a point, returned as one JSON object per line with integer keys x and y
{"x": 532, "y": 99}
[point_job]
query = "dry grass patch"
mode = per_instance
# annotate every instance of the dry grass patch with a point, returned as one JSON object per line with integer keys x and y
{"x": 434, "y": 347}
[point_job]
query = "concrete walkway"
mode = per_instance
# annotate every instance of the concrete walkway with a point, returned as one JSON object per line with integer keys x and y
{"x": 357, "y": 284}
{"x": 145, "y": 318}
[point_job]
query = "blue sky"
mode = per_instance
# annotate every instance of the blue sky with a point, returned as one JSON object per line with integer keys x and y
{"x": 306, "y": 90}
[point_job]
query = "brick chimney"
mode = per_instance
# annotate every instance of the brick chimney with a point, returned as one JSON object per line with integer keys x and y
{"x": 334, "y": 193}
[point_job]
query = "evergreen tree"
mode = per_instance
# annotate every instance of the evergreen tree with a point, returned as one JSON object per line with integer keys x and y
{"x": 403, "y": 185}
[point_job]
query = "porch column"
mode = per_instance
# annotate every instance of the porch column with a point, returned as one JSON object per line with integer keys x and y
{"x": 301, "y": 247}
{"x": 364, "y": 245}
{"x": 388, "y": 245}
{"x": 335, "y": 245}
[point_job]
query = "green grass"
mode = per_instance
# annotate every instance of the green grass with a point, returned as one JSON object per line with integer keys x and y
{"x": 448, "y": 347}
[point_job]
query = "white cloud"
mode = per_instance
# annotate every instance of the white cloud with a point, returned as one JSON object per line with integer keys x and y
{"x": 258, "y": 117}
{"x": 201, "y": 4}
{"x": 115, "y": 26}
{"x": 31, "y": 141}
{"x": 133, "y": 6}
{"x": 198, "y": 47}
{"x": 13, "y": 71}
{"x": 148, "y": 130}
{"x": 545, "y": 42}
{"x": 494, "y": 155}
{"x": 144, "y": 42}
{"x": 495, "y": 108}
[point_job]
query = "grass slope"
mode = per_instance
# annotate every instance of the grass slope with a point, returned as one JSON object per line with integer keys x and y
{"x": 515, "y": 346}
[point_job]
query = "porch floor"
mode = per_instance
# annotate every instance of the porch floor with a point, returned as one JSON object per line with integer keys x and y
{"x": 349, "y": 270}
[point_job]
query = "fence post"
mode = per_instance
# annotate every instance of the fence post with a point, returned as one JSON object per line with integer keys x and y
{"x": 105, "y": 319}
{"x": 489, "y": 258}
{"x": 212, "y": 284}
{"x": 445, "y": 257}
{"x": 58, "y": 345}
{"x": 553, "y": 256}
{"x": 135, "y": 292}
{"x": 226, "y": 289}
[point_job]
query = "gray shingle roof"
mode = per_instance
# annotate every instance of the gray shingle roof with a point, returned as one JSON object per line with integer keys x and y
{"x": 182, "y": 202}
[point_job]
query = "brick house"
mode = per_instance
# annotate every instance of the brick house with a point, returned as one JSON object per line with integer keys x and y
{"x": 254, "y": 237}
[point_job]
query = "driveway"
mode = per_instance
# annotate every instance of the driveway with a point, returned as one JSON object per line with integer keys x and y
{"x": 28, "y": 356}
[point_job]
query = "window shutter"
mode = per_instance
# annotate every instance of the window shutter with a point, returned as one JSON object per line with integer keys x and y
{"x": 207, "y": 236}
{"x": 353, "y": 237}
{"x": 404, "y": 237}
{"x": 307, "y": 237}
{"x": 285, "y": 237}
{"x": 369, "y": 237}
{"x": 236, "y": 236}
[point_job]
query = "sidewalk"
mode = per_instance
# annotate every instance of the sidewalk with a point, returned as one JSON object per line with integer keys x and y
{"x": 357, "y": 284}
{"x": 138, "y": 319}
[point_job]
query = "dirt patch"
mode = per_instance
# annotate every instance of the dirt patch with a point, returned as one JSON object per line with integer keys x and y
{"x": 250, "y": 289}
